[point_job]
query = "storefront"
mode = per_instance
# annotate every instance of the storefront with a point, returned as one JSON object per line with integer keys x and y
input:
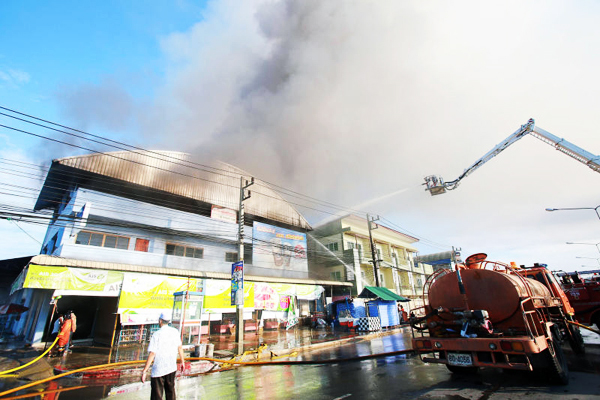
{"x": 116, "y": 303}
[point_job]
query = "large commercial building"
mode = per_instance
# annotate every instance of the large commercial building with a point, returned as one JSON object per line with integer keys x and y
{"x": 129, "y": 229}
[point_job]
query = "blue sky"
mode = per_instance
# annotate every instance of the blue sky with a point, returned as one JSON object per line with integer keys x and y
{"x": 49, "y": 47}
{"x": 348, "y": 102}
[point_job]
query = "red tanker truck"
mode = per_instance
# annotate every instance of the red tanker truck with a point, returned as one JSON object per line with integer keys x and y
{"x": 491, "y": 314}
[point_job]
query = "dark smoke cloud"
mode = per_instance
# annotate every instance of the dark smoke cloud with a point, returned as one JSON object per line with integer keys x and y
{"x": 350, "y": 101}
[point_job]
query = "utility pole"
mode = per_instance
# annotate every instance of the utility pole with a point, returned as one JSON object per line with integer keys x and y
{"x": 239, "y": 299}
{"x": 373, "y": 252}
{"x": 455, "y": 257}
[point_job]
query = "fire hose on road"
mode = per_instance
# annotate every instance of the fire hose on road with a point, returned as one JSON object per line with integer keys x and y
{"x": 30, "y": 362}
{"x": 215, "y": 360}
{"x": 584, "y": 326}
{"x": 231, "y": 362}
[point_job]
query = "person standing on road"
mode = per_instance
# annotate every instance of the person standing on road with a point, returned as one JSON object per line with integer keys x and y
{"x": 64, "y": 335}
{"x": 164, "y": 346}
{"x": 401, "y": 313}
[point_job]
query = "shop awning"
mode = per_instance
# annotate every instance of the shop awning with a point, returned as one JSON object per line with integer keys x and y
{"x": 382, "y": 293}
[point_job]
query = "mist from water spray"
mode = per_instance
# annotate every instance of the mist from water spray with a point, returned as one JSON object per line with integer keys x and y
{"x": 364, "y": 204}
{"x": 348, "y": 267}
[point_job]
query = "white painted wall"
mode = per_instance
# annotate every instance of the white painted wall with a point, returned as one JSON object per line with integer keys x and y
{"x": 221, "y": 237}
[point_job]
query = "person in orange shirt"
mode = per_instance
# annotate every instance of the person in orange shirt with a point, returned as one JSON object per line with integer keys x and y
{"x": 64, "y": 336}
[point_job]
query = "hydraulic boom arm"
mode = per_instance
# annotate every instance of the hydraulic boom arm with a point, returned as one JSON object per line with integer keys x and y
{"x": 436, "y": 185}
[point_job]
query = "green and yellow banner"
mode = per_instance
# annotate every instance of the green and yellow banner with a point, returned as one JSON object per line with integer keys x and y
{"x": 218, "y": 295}
{"x": 144, "y": 296}
{"x": 70, "y": 278}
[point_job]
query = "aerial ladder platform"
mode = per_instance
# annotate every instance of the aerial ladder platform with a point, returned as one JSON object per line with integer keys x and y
{"x": 435, "y": 184}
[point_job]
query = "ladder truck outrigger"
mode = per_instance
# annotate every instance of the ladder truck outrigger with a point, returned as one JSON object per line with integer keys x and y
{"x": 436, "y": 185}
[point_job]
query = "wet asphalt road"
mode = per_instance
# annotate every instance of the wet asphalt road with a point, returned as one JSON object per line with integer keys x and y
{"x": 391, "y": 377}
{"x": 397, "y": 377}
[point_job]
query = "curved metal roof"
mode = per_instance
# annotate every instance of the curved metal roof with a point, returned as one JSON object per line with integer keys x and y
{"x": 175, "y": 173}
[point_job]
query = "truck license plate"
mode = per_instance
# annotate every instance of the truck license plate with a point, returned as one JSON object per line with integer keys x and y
{"x": 460, "y": 359}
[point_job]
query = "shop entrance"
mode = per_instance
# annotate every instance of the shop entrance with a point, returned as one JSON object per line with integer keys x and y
{"x": 95, "y": 317}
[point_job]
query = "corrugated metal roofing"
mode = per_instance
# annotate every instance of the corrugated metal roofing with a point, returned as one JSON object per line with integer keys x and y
{"x": 175, "y": 173}
{"x": 68, "y": 262}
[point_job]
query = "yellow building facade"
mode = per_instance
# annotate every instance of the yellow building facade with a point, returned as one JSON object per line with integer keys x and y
{"x": 342, "y": 251}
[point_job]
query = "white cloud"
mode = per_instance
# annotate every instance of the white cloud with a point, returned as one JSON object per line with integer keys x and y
{"x": 14, "y": 77}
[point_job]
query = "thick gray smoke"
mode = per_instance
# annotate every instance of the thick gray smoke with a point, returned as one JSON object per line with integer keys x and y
{"x": 352, "y": 100}
{"x": 307, "y": 90}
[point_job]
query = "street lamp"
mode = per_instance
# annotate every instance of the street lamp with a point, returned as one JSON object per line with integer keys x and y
{"x": 591, "y": 258}
{"x": 576, "y": 208}
{"x": 591, "y": 244}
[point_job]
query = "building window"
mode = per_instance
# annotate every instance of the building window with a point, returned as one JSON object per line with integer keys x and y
{"x": 336, "y": 276}
{"x": 184, "y": 251}
{"x": 231, "y": 257}
{"x": 350, "y": 245}
{"x": 194, "y": 252}
{"x": 333, "y": 246}
{"x": 142, "y": 244}
{"x": 102, "y": 240}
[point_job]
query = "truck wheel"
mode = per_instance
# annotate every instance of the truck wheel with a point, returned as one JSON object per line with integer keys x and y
{"x": 556, "y": 363}
{"x": 575, "y": 339}
{"x": 462, "y": 370}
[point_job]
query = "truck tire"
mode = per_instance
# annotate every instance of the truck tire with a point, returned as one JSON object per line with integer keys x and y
{"x": 575, "y": 339}
{"x": 557, "y": 370}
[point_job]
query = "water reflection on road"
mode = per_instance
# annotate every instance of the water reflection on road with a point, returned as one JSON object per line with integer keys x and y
{"x": 359, "y": 348}
{"x": 380, "y": 377}
{"x": 387, "y": 377}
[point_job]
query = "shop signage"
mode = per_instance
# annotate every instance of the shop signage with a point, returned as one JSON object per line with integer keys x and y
{"x": 71, "y": 278}
{"x": 237, "y": 283}
{"x": 223, "y": 214}
{"x": 145, "y": 296}
{"x": 278, "y": 248}
{"x": 217, "y": 297}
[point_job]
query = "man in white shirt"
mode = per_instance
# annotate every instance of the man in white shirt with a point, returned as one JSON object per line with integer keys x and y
{"x": 164, "y": 346}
